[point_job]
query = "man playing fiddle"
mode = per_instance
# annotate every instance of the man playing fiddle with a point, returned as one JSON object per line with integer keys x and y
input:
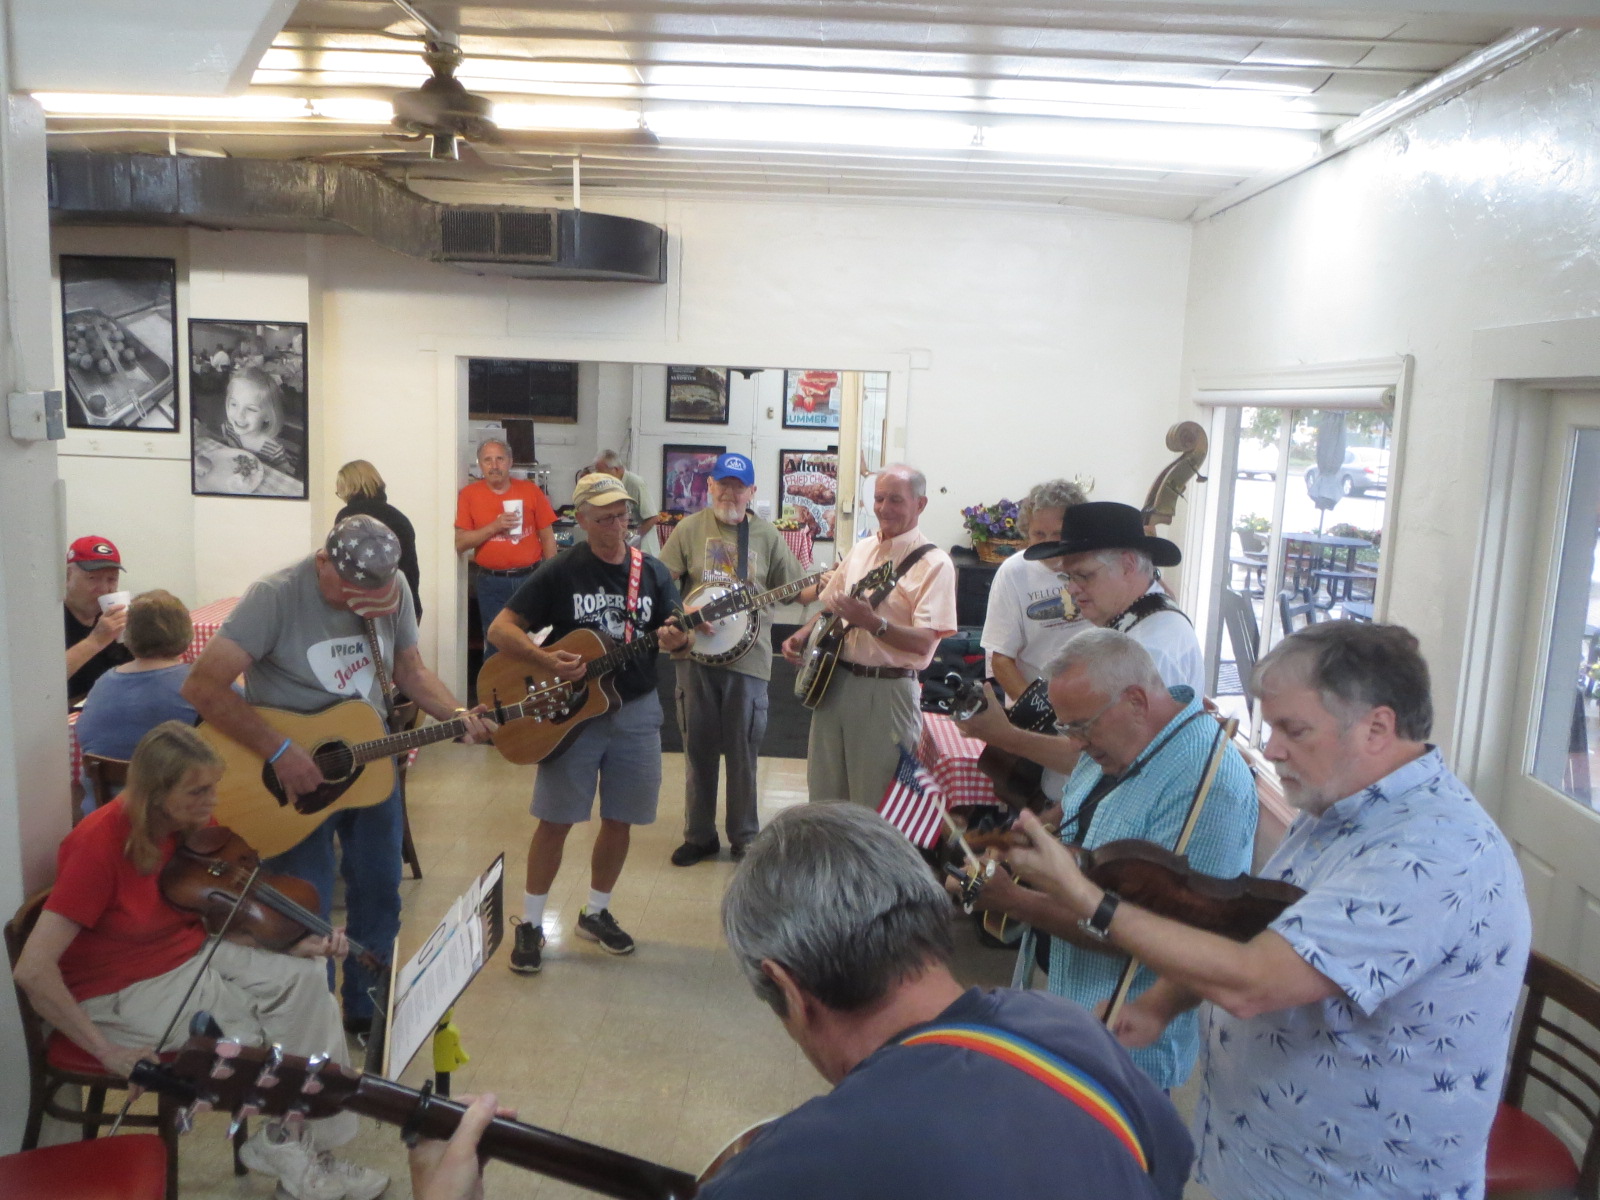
{"x": 1357, "y": 1045}
{"x": 1144, "y": 748}
{"x": 299, "y": 638}
{"x": 110, "y": 962}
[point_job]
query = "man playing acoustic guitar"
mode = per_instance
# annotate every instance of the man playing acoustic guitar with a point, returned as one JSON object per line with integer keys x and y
{"x": 621, "y": 592}
{"x": 299, "y": 639}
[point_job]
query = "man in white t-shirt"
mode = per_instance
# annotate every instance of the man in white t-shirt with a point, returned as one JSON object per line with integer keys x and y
{"x": 1110, "y": 565}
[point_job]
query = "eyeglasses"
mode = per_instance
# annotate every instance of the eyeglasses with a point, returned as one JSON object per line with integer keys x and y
{"x": 614, "y": 519}
{"x": 1082, "y": 578}
{"x": 1080, "y": 730}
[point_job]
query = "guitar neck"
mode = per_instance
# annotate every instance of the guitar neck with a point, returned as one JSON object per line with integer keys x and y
{"x": 597, "y": 1168}
{"x": 426, "y": 735}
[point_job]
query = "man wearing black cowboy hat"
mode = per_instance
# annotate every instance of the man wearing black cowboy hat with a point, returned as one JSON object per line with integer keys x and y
{"x": 1110, "y": 567}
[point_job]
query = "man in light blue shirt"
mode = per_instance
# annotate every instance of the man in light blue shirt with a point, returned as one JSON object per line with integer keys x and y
{"x": 1145, "y": 748}
{"x": 1356, "y": 1047}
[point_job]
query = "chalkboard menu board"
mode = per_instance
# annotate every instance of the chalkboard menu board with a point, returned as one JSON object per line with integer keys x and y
{"x": 522, "y": 387}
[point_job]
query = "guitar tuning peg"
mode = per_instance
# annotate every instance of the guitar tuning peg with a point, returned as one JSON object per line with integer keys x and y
{"x": 235, "y": 1125}
{"x": 268, "y": 1075}
{"x": 252, "y": 1107}
{"x": 295, "y": 1118}
{"x": 185, "y": 1119}
{"x": 222, "y": 1069}
{"x": 314, "y": 1065}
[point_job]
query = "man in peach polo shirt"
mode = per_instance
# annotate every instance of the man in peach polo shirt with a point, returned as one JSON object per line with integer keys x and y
{"x": 872, "y": 705}
{"x": 507, "y": 523}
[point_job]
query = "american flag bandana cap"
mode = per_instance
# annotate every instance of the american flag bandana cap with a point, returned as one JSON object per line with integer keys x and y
{"x": 365, "y": 553}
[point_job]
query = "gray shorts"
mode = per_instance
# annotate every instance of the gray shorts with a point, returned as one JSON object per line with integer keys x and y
{"x": 623, "y": 751}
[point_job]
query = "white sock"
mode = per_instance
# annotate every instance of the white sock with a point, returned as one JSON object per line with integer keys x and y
{"x": 533, "y": 908}
{"x": 598, "y": 901}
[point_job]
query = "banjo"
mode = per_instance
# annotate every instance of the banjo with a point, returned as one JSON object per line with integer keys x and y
{"x": 728, "y": 638}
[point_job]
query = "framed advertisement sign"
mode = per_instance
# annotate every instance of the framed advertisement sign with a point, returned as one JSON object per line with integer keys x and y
{"x": 686, "y": 477}
{"x": 811, "y": 399}
{"x": 698, "y": 394}
{"x": 808, "y": 489}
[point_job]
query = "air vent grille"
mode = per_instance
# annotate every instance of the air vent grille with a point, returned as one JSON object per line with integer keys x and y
{"x": 527, "y": 235}
{"x": 468, "y": 232}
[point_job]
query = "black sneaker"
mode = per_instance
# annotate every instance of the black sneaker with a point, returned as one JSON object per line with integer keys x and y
{"x": 525, "y": 954}
{"x": 602, "y": 927}
{"x": 690, "y": 853}
{"x": 738, "y": 851}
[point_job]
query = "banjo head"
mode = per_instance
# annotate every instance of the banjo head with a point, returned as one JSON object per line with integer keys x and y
{"x": 727, "y": 639}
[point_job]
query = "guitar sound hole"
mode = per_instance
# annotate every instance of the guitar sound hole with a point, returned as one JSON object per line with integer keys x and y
{"x": 335, "y": 761}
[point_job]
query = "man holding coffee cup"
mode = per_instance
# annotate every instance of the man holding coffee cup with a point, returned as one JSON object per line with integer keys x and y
{"x": 95, "y": 613}
{"x": 507, "y": 524}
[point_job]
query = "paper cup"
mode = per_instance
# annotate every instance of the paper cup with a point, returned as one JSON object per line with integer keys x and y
{"x": 111, "y": 600}
{"x": 515, "y": 508}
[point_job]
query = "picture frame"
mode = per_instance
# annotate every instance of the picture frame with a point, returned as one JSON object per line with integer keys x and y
{"x": 808, "y": 490}
{"x": 811, "y": 399}
{"x": 686, "y": 477}
{"x": 247, "y": 398}
{"x": 119, "y": 337}
{"x": 697, "y": 395}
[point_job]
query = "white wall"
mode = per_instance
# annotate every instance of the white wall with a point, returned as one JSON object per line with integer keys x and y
{"x": 1043, "y": 343}
{"x": 1482, "y": 213}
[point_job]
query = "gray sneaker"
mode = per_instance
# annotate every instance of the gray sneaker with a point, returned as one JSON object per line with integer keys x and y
{"x": 602, "y": 927}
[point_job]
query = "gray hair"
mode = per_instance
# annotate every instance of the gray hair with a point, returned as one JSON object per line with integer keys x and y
{"x": 917, "y": 480}
{"x": 1111, "y": 661}
{"x": 1356, "y": 667}
{"x": 607, "y": 460}
{"x": 841, "y": 900}
{"x": 1053, "y": 493}
{"x": 487, "y": 442}
{"x": 1141, "y": 561}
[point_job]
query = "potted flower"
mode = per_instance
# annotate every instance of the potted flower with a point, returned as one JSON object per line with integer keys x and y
{"x": 994, "y": 530}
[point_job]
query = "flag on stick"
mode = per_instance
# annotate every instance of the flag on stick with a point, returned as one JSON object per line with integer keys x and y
{"x": 913, "y": 803}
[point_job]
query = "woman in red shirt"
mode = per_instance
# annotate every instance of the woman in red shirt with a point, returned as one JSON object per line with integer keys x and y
{"x": 110, "y": 960}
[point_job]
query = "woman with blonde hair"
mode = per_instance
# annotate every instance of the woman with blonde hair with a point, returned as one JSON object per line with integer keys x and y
{"x": 110, "y": 963}
{"x": 129, "y": 701}
{"x": 362, "y": 489}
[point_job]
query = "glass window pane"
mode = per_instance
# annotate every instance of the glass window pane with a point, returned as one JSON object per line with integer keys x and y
{"x": 1567, "y": 753}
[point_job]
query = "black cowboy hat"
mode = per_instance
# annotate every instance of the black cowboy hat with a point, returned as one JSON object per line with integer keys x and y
{"x": 1106, "y": 525}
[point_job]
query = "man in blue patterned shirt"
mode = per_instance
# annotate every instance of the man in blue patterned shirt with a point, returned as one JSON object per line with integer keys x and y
{"x": 1145, "y": 747}
{"x": 1355, "y": 1048}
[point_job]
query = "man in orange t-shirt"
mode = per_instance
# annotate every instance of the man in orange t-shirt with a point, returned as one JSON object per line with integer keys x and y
{"x": 507, "y": 523}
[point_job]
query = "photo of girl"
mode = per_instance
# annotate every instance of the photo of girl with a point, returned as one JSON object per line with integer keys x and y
{"x": 247, "y": 387}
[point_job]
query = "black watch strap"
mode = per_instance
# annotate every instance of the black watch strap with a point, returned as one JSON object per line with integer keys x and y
{"x": 1099, "y": 925}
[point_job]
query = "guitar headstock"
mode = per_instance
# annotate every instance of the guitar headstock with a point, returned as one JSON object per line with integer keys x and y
{"x": 211, "y": 1075}
{"x": 880, "y": 577}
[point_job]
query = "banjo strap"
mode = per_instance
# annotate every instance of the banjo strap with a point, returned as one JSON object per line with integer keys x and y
{"x": 744, "y": 549}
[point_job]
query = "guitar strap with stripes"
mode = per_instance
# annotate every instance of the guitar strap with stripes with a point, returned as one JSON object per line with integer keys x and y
{"x": 388, "y": 686}
{"x": 1071, "y": 1083}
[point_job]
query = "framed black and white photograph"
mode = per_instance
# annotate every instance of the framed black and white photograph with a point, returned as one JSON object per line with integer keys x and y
{"x": 247, "y": 391}
{"x": 698, "y": 394}
{"x": 811, "y": 399}
{"x": 119, "y": 331}
{"x": 808, "y": 490}
{"x": 686, "y": 477}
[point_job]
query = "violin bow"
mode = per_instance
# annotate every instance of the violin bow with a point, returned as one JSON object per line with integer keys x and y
{"x": 1219, "y": 744}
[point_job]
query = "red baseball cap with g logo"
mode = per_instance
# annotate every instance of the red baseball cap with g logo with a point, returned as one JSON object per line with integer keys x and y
{"x": 93, "y": 553}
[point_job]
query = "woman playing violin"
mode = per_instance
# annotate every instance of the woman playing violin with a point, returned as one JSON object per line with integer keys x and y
{"x": 110, "y": 962}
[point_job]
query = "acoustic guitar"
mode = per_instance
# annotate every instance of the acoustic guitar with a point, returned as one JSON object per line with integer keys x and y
{"x": 1016, "y": 779}
{"x": 826, "y": 641}
{"x": 557, "y": 709}
{"x": 230, "y": 1077}
{"x": 348, "y": 742}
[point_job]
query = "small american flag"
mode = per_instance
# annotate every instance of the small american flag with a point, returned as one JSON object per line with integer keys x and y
{"x": 913, "y": 803}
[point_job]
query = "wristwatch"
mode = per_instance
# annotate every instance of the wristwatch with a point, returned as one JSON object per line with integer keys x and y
{"x": 1098, "y": 926}
{"x": 883, "y": 627}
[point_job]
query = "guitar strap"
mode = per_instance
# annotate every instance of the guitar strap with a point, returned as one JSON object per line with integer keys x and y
{"x": 386, "y": 684}
{"x": 631, "y": 609}
{"x": 904, "y": 568}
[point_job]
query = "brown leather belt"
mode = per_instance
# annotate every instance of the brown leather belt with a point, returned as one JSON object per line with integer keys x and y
{"x": 879, "y": 672}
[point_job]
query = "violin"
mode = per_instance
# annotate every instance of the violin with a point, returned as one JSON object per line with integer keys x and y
{"x": 211, "y": 871}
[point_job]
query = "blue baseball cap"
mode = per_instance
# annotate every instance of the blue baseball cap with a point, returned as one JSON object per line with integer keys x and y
{"x": 734, "y": 466}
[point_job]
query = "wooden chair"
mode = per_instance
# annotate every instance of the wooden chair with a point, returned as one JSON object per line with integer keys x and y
{"x": 120, "y": 1168}
{"x": 1526, "y": 1160}
{"x": 406, "y": 716}
{"x": 107, "y": 776}
{"x": 1292, "y": 604}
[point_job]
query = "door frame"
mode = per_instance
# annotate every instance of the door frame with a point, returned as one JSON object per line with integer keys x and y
{"x": 1519, "y": 367}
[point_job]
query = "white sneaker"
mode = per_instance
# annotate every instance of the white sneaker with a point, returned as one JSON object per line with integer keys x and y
{"x": 300, "y": 1173}
{"x": 359, "y": 1183}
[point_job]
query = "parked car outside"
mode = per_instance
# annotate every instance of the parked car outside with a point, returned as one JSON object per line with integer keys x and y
{"x": 1257, "y": 460}
{"x": 1365, "y": 469}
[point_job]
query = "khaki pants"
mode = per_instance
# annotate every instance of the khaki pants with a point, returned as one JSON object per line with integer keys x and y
{"x": 255, "y": 996}
{"x": 856, "y": 735}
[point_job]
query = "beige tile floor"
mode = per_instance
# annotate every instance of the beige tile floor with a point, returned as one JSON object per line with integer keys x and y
{"x": 665, "y": 1053}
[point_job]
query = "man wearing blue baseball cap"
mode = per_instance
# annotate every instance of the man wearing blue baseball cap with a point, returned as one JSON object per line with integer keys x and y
{"x": 722, "y": 695}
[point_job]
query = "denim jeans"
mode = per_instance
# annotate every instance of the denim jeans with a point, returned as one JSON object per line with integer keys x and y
{"x": 493, "y": 593}
{"x": 369, "y": 860}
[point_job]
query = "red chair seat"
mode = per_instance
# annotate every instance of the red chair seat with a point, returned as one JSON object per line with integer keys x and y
{"x": 1525, "y": 1158}
{"x": 130, "y": 1167}
{"x": 64, "y": 1054}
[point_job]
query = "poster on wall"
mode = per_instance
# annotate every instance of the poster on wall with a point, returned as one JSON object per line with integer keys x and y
{"x": 686, "y": 477}
{"x": 247, "y": 392}
{"x": 698, "y": 394}
{"x": 811, "y": 399}
{"x": 119, "y": 331}
{"x": 808, "y": 490}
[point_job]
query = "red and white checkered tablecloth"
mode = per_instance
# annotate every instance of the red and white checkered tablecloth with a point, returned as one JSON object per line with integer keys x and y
{"x": 73, "y": 748}
{"x": 207, "y": 619}
{"x": 802, "y": 543}
{"x": 952, "y": 759}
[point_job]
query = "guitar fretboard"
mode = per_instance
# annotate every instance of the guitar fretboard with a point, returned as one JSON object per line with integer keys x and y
{"x": 426, "y": 735}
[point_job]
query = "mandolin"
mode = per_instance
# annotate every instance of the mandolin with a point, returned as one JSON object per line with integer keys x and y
{"x": 210, "y": 1075}
{"x": 1017, "y": 780}
{"x": 826, "y": 640}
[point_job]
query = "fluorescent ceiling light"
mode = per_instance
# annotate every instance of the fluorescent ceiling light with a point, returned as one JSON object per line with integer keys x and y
{"x": 1192, "y": 146}
{"x": 562, "y": 116}
{"x": 365, "y": 112}
{"x": 761, "y": 80}
{"x": 815, "y": 128}
{"x": 406, "y": 65}
{"x": 205, "y": 108}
